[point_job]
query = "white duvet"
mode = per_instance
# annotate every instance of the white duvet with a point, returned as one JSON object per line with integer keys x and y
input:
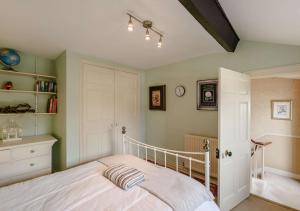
{"x": 83, "y": 188}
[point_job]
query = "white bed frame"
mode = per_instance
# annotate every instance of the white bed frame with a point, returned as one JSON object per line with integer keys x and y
{"x": 177, "y": 154}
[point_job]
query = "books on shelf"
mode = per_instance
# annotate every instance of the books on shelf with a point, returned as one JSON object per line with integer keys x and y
{"x": 46, "y": 86}
{"x": 52, "y": 105}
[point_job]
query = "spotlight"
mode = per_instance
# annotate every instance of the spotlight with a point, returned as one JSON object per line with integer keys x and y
{"x": 159, "y": 42}
{"x": 147, "y": 36}
{"x": 130, "y": 25}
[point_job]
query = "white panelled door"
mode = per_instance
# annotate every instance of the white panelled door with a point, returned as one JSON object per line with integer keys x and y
{"x": 127, "y": 106}
{"x": 234, "y": 136}
{"x": 97, "y": 117}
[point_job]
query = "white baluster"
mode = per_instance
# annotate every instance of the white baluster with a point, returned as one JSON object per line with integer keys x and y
{"x": 165, "y": 159}
{"x": 190, "y": 165}
{"x": 154, "y": 156}
{"x": 176, "y": 162}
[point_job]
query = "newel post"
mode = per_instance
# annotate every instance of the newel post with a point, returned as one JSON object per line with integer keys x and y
{"x": 207, "y": 164}
{"x": 123, "y": 139}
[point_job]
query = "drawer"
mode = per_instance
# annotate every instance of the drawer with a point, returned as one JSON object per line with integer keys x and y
{"x": 24, "y": 166}
{"x": 31, "y": 151}
{"x": 5, "y": 156}
{"x": 32, "y": 164}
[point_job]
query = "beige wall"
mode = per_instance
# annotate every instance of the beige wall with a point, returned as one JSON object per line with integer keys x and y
{"x": 284, "y": 153}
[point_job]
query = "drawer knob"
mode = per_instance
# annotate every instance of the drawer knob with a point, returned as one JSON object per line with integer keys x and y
{"x": 31, "y": 164}
{"x": 32, "y": 151}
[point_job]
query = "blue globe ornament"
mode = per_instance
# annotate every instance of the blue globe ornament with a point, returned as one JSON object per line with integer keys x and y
{"x": 9, "y": 57}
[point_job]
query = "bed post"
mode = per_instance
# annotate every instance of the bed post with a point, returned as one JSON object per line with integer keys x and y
{"x": 123, "y": 139}
{"x": 207, "y": 164}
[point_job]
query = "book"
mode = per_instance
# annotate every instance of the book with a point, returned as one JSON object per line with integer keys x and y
{"x": 37, "y": 86}
{"x": 54, "y": 87}
{"x": 46, "y": 86}
{"x": 50, "y": 89}
{"x": 50, "y": 105}
{"x": 42, "y": 86}
{"x": 54, "y": 110}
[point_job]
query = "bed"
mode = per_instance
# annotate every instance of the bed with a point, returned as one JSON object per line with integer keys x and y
{"x": 85, "y": 188}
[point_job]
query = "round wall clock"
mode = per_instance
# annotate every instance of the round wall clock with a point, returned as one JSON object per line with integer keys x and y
{"x": 180, "y": 91}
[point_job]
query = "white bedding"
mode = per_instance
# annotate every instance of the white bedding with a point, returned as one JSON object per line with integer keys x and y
{"x": 177, "y": 190}
{"x": 81, "y": 188}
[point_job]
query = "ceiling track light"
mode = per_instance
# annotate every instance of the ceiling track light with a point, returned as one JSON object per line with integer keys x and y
{"x": 147, "y": 36}
{"x": 159, "y": 44}
{"x": 147, "y": 24}
{"x": 130, "y": 24}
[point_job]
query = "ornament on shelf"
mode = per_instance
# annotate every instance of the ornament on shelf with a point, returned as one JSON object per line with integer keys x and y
{"x": 21, "y": 108}
{"x": 8, "y": 85}
{"x": 9, "y": 58}
{"x": 11, "y": 132}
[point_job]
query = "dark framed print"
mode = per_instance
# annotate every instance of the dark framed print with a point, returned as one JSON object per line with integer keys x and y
{"x": 157, "y": 97}
{"x": 207, "y": 95}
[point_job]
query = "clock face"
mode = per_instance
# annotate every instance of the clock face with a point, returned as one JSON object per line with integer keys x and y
{"x": 179, "y": 91}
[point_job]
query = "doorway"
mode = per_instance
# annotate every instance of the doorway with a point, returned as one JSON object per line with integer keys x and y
{"x": 275, "y": 134}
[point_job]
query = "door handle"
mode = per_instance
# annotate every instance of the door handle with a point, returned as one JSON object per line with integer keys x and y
{"x": 228, "y": 153}
{"x": 217, "y": 153}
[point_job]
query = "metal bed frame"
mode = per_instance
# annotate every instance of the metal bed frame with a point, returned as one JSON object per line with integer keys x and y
{"x": 177, "y": 154}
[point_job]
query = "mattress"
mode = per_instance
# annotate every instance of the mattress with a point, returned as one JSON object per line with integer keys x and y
{"x": 82, "y": 188}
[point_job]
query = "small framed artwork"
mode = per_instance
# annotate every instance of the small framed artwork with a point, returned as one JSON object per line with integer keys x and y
{"x": 157, "y": 98}
{"x": 281, "y": 109}
{"x": 207, "y": 95}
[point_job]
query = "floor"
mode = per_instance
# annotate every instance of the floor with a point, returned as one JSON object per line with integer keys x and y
{"x": 253, "y": 203}
{"x": 282, "y": 190}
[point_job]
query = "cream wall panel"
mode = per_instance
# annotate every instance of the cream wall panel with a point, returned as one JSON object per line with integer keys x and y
{"x": 284, "y": 152}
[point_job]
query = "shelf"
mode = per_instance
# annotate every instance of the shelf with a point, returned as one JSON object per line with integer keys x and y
{"x": 35, "y": 75}
{"x": 26, "y": 91}
{"x": 18, "y": 114}
{"x": 45, "y": 113}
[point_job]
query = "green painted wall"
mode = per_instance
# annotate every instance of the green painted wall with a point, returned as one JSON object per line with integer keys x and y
{"x": 26, "y": 121}
{"x": 168, "y": 128}
{"x": 59, "y": 123}
{"x": 157, "y": 127}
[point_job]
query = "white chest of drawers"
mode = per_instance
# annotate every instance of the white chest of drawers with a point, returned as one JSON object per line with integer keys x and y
{"x": 26, "y": 159}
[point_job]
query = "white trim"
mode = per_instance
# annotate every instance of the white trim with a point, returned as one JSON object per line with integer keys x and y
{"x": 282, "y": 173}
{"x": 277, "y": 134}
{"x": 115, "y": 67}
{"x": 290, "y": 71}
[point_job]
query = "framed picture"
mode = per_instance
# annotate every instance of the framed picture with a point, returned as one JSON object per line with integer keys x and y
{"x": 157, "y": 97}
{"x": 281, "y": 109}
{"x": 207, "y": 95}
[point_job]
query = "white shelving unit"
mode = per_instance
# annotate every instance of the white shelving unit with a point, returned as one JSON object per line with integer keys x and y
{"x": 37, "y": 77}
{"x": 27, "y": 113}
{"x": 27, "y": 91}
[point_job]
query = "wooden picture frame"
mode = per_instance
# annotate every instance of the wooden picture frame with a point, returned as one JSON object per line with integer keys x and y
{"x": 157, "y": 97}
{"x": 281, "y": 109}
{"x": 207, "y": 95}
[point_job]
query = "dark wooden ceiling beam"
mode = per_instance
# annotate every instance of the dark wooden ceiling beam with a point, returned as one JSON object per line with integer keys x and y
{"x": 211, "y": 16}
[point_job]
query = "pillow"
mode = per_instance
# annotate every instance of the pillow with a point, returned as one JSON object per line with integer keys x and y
{"x": 123, "y": 176}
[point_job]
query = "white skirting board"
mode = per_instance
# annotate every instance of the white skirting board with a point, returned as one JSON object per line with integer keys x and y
{"x": 282, "y": 173}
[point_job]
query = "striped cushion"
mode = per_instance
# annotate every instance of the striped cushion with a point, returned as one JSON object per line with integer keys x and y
{"x": 123, "y": 176}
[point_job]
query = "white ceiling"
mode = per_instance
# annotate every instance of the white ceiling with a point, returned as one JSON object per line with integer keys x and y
{"x": 99, "y": 28}
{"x": 275, "y": 21}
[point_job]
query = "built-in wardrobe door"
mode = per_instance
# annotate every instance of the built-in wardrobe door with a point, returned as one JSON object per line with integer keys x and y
{"x": 97, "y": 112}
{"x": 127, "y": 106}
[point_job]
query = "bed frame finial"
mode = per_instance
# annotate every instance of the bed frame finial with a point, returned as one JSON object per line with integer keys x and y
{"x": 123, "y": 130}
{"x": 206, "y": 145}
